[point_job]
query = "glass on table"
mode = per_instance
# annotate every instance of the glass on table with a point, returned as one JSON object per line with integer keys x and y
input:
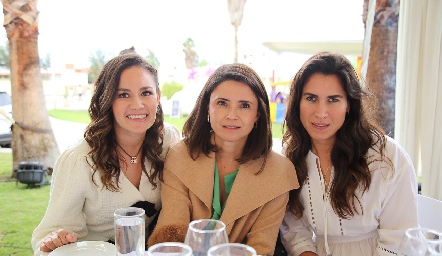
{"x": 205, "y": 233}
{"x": 421, "y": 242}
{"x": 129, "y": 231}
{"x": 169, "y": 249}
{"x": 434, "y": 240}
{"x": 231, "y": 249}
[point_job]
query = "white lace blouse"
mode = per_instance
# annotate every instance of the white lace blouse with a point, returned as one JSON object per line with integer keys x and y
{"x": 389, "y": 207}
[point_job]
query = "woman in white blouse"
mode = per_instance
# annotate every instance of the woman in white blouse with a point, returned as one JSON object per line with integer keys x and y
{"x": 358, "y": 186}
{"x": 119, "y": 162}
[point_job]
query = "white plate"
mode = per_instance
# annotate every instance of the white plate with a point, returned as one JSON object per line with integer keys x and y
{"x": 85, "y": 248}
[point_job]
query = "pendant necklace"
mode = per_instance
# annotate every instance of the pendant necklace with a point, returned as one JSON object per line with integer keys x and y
{"x": 133, "y": 159}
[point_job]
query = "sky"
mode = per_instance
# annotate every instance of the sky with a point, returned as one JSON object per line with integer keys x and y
{"x": 71, "y": 31}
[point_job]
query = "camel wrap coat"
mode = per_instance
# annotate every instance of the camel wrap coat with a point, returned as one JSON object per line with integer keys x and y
{"x": 253, "y": 211}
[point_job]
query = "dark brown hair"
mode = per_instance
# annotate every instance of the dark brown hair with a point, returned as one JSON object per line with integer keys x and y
{"x": 197, "y": 131}
{"x": 357, "y": 135}
{"x": 100, "y": 133}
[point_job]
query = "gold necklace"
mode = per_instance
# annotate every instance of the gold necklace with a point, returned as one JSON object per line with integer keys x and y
{"x": 133, "y": 159}
{"x": 326, "y": 173}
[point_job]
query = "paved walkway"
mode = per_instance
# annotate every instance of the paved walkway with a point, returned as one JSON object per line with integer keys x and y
{"x": 66, "y": 133}
{"x": 5, "y": 150}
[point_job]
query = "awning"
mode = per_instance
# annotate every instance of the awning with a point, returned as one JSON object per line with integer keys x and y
{"x": 311, "y": 47}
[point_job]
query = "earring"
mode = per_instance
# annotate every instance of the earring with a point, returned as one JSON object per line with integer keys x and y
{"x": 255, "y": 125}
{"x": 208, "y": 118}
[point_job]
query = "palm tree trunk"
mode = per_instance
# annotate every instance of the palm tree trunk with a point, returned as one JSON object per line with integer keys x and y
{"x": 236, "y": 11}
{"x": 235, "y": 57}
{"x": 32, "y": 135}
{"x": 381, "y": 70}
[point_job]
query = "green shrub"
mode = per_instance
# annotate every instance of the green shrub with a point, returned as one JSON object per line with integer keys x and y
{"x": 170, "y": 88}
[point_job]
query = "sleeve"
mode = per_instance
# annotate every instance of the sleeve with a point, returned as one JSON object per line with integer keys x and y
{"x": 296, "y": 235}
{"x": 67, "y": 197}
{"x": 174, "y": 217}
{"x": 399, "y": 210}
{"x": 262, "y": 237}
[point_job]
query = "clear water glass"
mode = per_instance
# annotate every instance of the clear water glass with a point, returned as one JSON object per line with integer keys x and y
{"x": 231, "y": 249}
{"x": 205, "y": 233}
{"x": 169, "y": 249}
{"x": 421, "y": 242}
{"x": 130, "y": 231}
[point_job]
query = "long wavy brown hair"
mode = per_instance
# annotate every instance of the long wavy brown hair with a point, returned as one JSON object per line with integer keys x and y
{"x": 197, "y": 130}
{"x": 100, "y": 133}
{"x": 357, "y": 135}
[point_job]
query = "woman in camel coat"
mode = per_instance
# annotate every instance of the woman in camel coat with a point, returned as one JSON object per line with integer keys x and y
{"x": 225, "y": 168}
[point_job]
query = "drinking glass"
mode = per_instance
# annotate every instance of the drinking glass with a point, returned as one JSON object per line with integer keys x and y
{"x": 231, "y": 249}
{"x": 421, "y": 242}
{"x": 205, "y": 233}
{"x": 169, "y": 249}
{"x": 434, "y": 240}
{"x": 129, "y": 231}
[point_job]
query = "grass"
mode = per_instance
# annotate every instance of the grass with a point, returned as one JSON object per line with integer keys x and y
{"x": 21, "y": 211}
{"x": 5, "y": 166}
{"x": 79, "y": 116}
{"x": 23, "y": 208}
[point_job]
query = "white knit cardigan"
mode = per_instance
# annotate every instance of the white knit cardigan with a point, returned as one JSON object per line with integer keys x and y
{"x": 78, "y": 205}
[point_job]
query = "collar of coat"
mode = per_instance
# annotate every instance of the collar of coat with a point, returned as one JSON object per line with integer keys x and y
{"x": 249, "y": 191}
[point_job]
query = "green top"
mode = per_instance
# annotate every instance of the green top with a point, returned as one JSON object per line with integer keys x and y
{"x": 228, "y": 183}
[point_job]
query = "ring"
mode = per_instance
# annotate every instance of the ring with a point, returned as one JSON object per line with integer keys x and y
{"x": 44, "y": 243}
{"x": 61, "y": 240}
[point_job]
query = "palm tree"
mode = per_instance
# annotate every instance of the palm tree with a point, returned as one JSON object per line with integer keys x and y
{"x": 97, "y": 61}
{"x": 190, "y": 55}
{"x": 381, "y": 69}
{"x": 4, "y": 56}
{"x": 32, "y": 135}
{"x": 152, "y": 59}
{"x": 236, "y": 10}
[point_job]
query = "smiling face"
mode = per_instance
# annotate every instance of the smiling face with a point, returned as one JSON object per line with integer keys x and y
{"x": 323, "y": 108}
{"x": 135, "y": 103}
{"x": 233, "y": 110}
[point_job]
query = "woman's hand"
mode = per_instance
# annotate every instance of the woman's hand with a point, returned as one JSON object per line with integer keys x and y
{"x": 56, "y": 239}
